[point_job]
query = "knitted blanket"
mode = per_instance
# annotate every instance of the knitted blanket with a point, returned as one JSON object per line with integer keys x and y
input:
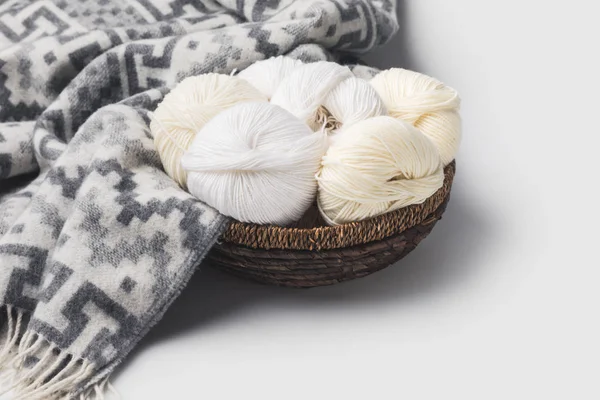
{"x": 96, "y": 240}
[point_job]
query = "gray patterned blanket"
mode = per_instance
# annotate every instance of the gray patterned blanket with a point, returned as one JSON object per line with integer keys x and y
{"x": 95, "y": 240}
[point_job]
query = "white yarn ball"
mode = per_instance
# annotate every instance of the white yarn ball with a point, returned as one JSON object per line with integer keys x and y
{"x": 266, "y": 75}
{"x": 352, "y": 100}
{"x": 426, "y": 103}
{"x": 185, "y": 110}
{"x": 376, "y": 166}
{"x": 255, "y": 162}
{"x": 305, "y": 89}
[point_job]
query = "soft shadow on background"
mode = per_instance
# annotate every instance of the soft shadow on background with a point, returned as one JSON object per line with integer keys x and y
{"x": 451, "y": 254}
{"x": 395, "y": 53}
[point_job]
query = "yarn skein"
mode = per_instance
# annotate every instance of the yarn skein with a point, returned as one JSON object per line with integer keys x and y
{"x": 376, "y": 166}
{"x": 187, "y": 108}
{"x": 426, "y": 103}
{"x": 255, "y": 162}
{"x": 305, "y": 89}
{"x": 352, "y": 100}
{"x": 266, "y": 75}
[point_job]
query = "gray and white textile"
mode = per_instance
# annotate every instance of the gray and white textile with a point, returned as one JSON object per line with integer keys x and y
{"x": 96, "y": 240}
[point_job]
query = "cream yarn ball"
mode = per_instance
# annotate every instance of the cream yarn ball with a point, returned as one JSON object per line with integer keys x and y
{"x": 376, "y": 166}
{"x": 326, "y": 93}
{"x": 426, "y": 103}
{"x": 266, "y": 75}
{"x": 187, "y": 108}
{"x": 255, "y": 162}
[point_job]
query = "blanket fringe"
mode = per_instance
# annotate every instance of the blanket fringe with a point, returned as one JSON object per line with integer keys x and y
{"x": 98, "y": 391}
{"x": 54, "y": 375}
{"x": 14, "y": 325}
{"x": 33, "y": 368}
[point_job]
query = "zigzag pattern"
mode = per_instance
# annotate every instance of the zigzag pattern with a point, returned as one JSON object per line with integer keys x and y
{"x": 132, "y": 208}
{"x": 102, "y": 254}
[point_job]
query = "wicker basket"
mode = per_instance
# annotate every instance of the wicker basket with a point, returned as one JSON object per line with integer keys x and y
{"x": 323, "y": 255}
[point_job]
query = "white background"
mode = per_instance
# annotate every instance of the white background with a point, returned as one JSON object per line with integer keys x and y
{"x": 500, "y": 302}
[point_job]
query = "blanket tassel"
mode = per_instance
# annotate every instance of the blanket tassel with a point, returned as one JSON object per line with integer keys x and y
{"x": 14, "y": 325}
{"x": 55, "y": 374}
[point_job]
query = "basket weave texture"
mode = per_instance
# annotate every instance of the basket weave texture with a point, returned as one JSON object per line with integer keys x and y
{"x": 324, "y": 255}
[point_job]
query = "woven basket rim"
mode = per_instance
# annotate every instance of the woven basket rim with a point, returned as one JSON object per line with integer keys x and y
{"x": 333, "y": 237}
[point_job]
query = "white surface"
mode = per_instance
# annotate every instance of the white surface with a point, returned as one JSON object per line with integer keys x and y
{"x": 500, "y": 302}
